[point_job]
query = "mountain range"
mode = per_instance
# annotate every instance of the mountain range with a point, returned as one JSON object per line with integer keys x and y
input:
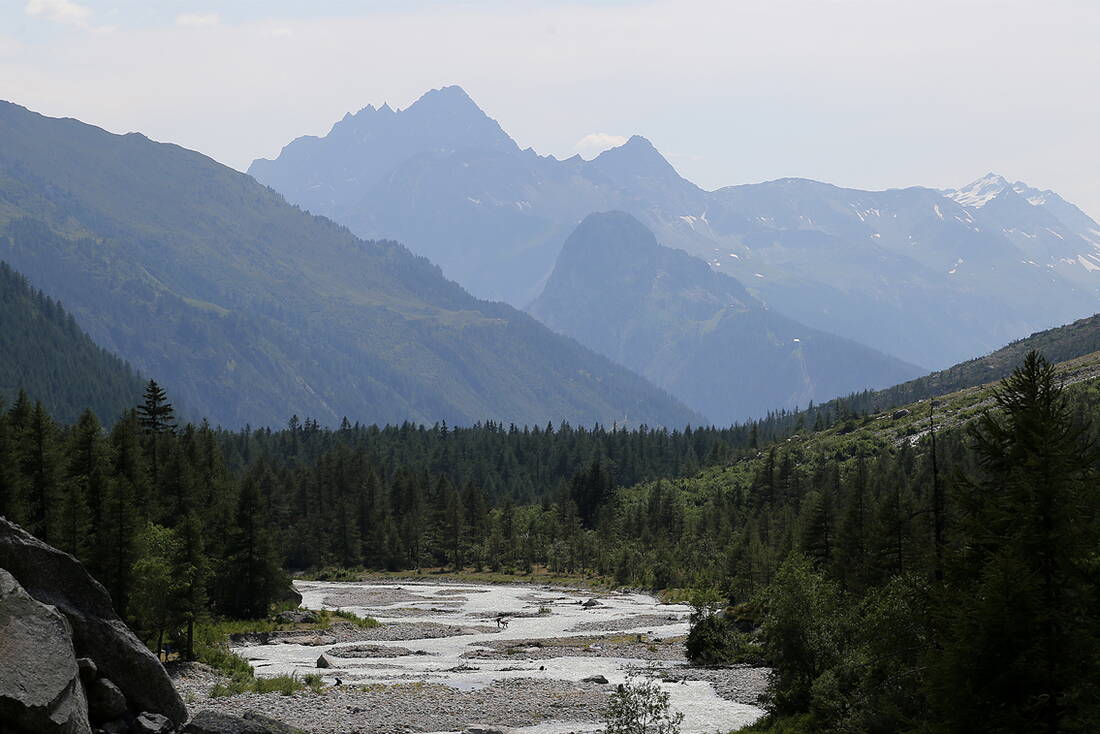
{"x": 928, "y": 276}
{"x": 695, "y": 331}
{"x": 248, "y": 309}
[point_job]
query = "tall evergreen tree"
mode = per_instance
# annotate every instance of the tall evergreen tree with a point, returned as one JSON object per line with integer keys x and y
{"x": 1021, "y": 633}
{"x": 250, "y": 577}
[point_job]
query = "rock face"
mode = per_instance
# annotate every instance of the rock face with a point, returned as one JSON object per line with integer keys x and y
{"x": 40, "y": 687}
{"x": 50, "y": 577}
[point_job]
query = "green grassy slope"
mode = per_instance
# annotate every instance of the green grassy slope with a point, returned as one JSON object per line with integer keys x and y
{"x": 44, "y": 352}
{"x": 1060, "y": 344}
{"x": 885, "y": 431}
{"x": 251, "y": 310}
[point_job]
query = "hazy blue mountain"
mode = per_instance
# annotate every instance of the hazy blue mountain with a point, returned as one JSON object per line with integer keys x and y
{"x": 696, "y": 332}
{"x": 492, "y": 216}
{"x": 44, "y": 352}
{"x": 249, "y": 309}
{"x": 913, "y": 272}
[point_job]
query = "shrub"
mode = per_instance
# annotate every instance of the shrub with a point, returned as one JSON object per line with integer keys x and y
{"x": 641, "y": 707}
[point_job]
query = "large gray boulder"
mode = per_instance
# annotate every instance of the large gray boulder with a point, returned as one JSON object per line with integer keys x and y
{"x": 215, "y": 722}
{"x": 56, "y": 578}
{"x": 40, "y": 690}
{"x": 105, "y": 700}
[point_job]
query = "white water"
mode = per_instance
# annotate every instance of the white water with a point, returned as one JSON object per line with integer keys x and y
{"x": 704, "y": 711}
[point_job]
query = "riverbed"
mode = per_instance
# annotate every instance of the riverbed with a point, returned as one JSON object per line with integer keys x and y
{"x": 491, "y": 645}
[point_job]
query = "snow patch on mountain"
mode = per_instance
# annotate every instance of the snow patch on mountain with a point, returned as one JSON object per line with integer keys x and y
{"x": 980, "y": 192}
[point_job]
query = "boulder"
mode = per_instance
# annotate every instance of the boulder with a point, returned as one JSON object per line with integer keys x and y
{"x": 290, "y": 595}
{"x": 150, "y": 723}
{"x": 595, "y": 679}
{"x": 118, "y": 726}
{"x": 40, "y": 690}
{"x": 213, "y": 722}
{"x": 274, "y": 726}
{"x": 297, "y": 616}
{"x": 56, "y": 578}
{"x": 323, "y": 662}
{"x": 88, "y": 670}
{"x": 591, "y": 603}
{"x": 486, "y": 729}
{"x": 105, "y": 701}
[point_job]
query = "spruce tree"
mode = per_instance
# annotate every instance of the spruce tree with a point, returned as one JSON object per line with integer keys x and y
{"x": 250, "y": 576}
{"x": 12, "y": 494}
{"x": 157, "y": 418}
{"x": 40, "y": 459}
{"x": 190, "y": 575}
{"x": 1019, "y": 623}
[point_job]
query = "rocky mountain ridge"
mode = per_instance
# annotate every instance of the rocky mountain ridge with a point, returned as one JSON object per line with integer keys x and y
{"x": 911, "y": 272}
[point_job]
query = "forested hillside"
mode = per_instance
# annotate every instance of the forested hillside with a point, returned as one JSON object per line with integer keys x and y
{"x": 1061, "y": 344}
{"x": 819, "y": 544}
{"x": 44, "y": 352}
{"x": 885, "y": 548}
{"x": 253, "y": 310}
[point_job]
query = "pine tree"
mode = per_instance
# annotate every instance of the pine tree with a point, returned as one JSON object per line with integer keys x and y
{"x": 12, "y": 492}
{"x": 190, "y": 574}
{"x": 157, "y": 418}
{"x": 89, "y": 465}
{"x": 250, "y": 576}
{"x": 1020, "y": 632}
{"x": 41, "y": 466}
{"x": 156, "y": 414}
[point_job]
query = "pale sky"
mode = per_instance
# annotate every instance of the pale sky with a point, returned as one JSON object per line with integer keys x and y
{"x": 862, "y": 93}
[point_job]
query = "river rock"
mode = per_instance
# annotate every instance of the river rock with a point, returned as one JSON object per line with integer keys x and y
{"x": 57, "y": 579}
{"x": 595, "y": 679}
{"x": 486, "y": 729}
{"x": 273, "y": 726}
{"x": 40, "y": 690}
{"x": 212, "y": 722}
{"x": 150, "y": 723}
{"x": 591, "y": 603}
{"x": 105, "y": 701}
{"x": 323, "y": 662}
{"x": 297, "y": 616}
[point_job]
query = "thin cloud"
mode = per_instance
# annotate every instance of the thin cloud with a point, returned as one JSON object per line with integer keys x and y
{"x": 195, "y": 20}
{"x": 60, "y": 11}
{"x": 596, "y": 143}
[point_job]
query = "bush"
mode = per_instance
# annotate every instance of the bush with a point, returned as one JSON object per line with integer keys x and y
{"x": 641, "y": 707}
{"x": 714, "y": 638}
{"x": 284, "y": 684}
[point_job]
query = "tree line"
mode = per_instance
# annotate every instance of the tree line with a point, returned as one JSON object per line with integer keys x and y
{"x": 947, "y": 580}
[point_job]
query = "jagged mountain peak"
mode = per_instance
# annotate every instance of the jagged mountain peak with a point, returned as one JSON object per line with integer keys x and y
{"x": 638, "y": 150}
{"x": 635, "y": 161}
{"x": 981, "y": 191}
{"x": 451, "y": 95}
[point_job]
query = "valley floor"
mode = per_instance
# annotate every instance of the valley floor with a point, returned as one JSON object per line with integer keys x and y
{"x": 440, "y": 662}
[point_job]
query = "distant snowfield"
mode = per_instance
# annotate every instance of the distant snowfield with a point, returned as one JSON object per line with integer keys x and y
{"x": 467, "y": 605}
